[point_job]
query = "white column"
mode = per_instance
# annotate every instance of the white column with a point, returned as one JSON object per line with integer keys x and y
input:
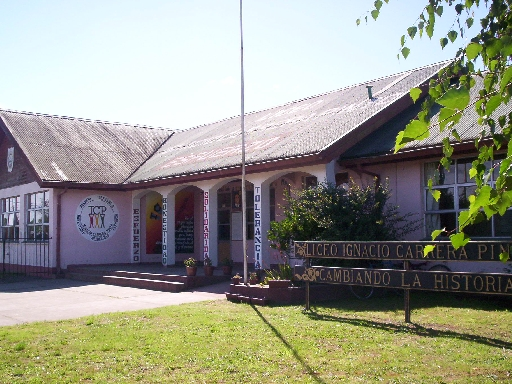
{"x": 325, "y": 172}
{"x": 136, "y": 230}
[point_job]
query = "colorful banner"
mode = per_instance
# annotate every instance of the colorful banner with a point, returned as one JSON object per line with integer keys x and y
{"x": 153, "y": 224}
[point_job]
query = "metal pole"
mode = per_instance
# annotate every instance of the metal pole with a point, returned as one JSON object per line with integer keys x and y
{"x": 308, "y": 306}
{"x": 407, "y": 296}
{"x": 242, "y": 124}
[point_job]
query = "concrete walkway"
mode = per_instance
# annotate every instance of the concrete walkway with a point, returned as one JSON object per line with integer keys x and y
{"x": 48, "y": 300}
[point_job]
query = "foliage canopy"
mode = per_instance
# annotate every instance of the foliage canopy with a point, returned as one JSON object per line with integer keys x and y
{"x": 331, "y": 213}
{"x": 485, "y": 53}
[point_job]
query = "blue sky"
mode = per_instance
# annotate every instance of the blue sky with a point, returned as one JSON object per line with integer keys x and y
{"x": 176, "y": 63}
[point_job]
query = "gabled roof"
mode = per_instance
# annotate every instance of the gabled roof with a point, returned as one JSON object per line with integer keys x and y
{"x": 309, "y": 127}
{"x": 314, "y": 130}
{"x": 64, "y": 149}
{"x": 380, "y": 145}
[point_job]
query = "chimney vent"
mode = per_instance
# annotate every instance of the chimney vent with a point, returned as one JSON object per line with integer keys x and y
{"x": 369, "y": 88}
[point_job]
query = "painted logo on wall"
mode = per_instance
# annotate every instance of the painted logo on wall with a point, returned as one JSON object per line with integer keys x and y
{"x": 97, "y": 218}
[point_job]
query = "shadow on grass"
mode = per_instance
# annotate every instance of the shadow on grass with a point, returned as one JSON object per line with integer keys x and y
{"x": 308, "y": 369}
{"x": 387, "y": 304}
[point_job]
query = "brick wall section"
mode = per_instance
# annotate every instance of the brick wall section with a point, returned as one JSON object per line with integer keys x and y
{"x": 21, "y": 173}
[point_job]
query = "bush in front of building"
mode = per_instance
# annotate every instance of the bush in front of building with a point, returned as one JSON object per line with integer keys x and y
{"x": 328, "y": 212}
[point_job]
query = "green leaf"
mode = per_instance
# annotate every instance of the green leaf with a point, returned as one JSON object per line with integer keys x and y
{"x": 436, "y": 194}
{"x": 428, "y": 249}
{"x": 459, "y": 240}
{"x": 469, "y": 22}
{"x": 493, "y": 47}
{"x": 473, "y": 50}
{"x": 402, "y": 40}
{"x": 375, "y": 14}
{"x": 456, "y": 135}
{"x": 506, "y": 49}
{"x": 504, "y": 256}
{"x": 444, "y": 42}
{"x": 416, "y": 130}
{"x": 405, "y": 52}
{"x": 448, "y": 117}
{"x": 436, "y": 233}
{"x": 378, "y": 5}
{"x": 411, "y": 31}
{"x": 493, "y": 103}
{"x": 358, "y": 21}
{"x": 464, "y": 219}
{"x": 506, "y": 78}
{"x": 439, "y": 10}
{"x": 455, "y": 98}
{"x": 415, "y": 94}
{"x": 430, "y": 30}
{"x": 452, "y": 35}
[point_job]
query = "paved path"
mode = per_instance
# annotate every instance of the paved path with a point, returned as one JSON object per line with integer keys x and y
{"x": 59, "y": 299}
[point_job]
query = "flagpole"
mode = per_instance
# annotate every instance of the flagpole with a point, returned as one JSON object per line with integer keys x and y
{"x": 242, "y": 124}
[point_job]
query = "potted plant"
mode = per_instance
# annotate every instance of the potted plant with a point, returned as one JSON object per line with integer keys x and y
{"x": 280, "y": 278}
{"x": 191, "y": 266}
{"x": 227, "y": 266}
{"x": 236, "y": 279}
{"x": 253, "y": 278}
{"x": 208, "y": 267}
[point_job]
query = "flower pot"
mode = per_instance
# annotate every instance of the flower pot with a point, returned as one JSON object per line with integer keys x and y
{"x": 253, "y": 281}
{"x": 235, "y": 280}
{"x": 191, "y": 271}
{"x": 279, "y": 283}
{"x": 227, "y": 269}
{"x": 208, "y": 270}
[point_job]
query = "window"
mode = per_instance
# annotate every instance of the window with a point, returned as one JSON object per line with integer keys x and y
{"x": 10, "y": 222}
{"x": 38, "y": 216}
{"x": 455, "y": 187}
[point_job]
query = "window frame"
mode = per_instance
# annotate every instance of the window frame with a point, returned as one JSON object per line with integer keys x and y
{"x": 10, "y": 213}
{"x": 459, "y": 184}
{"x": 37, "y": 210}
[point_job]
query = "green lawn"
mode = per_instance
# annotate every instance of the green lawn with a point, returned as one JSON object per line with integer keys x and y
{"x": 451, "y": 339}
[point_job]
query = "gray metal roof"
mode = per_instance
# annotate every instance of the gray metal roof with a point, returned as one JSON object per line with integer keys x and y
{"x": 82, "y": 151}
{"x": 63, "y": 149}
{"x": 382, "y": 141}
{"x": 300, "y": 128}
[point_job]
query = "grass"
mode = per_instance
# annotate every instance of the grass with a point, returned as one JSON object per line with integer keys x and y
{"x": 451, "y": 340}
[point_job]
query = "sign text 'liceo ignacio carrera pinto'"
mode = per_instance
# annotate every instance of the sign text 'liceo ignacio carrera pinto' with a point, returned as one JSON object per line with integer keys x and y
{"x": 405, "y": 279}
{"x": 399, "y": 250}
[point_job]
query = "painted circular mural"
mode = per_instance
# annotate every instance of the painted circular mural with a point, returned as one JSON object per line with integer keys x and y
{"x": 97, "y": 218}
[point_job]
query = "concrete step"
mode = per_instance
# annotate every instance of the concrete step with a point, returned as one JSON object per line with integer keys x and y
{"x": 149, "y": 276}
{"x": 135, "y": 282}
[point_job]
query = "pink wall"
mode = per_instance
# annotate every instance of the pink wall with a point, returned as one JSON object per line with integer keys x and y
{"x": 75, "y": 249}
{"x": 405, "y": 185}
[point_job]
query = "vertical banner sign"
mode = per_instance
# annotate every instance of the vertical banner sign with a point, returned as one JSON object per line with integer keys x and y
{"x": 136, "y": 231}
{"x": 257, "y": 227}
{"x": 206, "y": 225}
{"x": 164, "y": 231}
{"x": 154, "y": 224}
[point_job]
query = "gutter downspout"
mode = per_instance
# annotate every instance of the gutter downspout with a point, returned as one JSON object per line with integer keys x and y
{"x": 58, "y": 237}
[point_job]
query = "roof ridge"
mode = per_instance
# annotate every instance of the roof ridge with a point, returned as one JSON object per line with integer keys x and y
{"x": 84, "y": 119}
